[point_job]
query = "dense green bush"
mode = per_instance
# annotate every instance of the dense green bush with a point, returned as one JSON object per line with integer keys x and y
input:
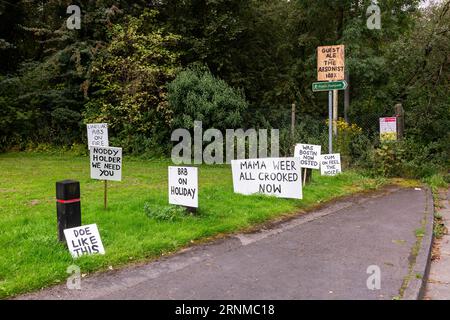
{"x": 128, "y": 89}
{"x": 196, "y": 94}
{"x": 405, "y": 158}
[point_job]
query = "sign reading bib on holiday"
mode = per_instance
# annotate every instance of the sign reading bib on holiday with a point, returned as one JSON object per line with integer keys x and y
{"x": 183, "y": 186}
{"x": 97, "y": 135}
{"x": 106, "y": 163}
{"x": 331, "y": 63}
{"x": 330, "y": 164}
{"x": 388, "y": 129}
{"x": 84, "y": 240}
{"x": 280, "y": 177}
{"x": 309, "y": 155}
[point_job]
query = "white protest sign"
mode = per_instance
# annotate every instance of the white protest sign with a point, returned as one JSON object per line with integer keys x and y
{"x": 388, "y": 129}
{"x": 84, "y": 240}
{"x": 106, "y": 163}
{"x": 330, "y": 164}
{"x": 97, "y": 135}
{"x": 309, "y": 155}
{"x": 183, "y": 186}
{"x": 280, "y": 177}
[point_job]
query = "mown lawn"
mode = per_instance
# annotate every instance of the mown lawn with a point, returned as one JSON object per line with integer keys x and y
{"x": 31, "y": 257}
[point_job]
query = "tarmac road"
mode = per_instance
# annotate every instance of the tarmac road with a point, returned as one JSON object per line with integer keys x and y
{"x": 323, "y": 254}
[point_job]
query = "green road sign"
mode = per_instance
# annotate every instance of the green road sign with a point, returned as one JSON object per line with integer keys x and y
{"x": 328, "y": 86}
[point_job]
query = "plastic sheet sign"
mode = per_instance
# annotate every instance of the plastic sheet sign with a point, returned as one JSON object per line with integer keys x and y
{"x": 183, "y": 186}
{"x": 309, "y": 155}
{"x": 280, "y": 177}
{"x": 331, "y": 63}
{"x": 97, "y": 134}
{"x": 388, "y": 129}
{"x": 106, "y": 163}
{"x": 84, "y": 240}
{"x": 330, "y": 164}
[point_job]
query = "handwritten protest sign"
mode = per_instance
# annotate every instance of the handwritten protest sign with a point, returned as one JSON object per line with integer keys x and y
{"x": 330, "y": 164}
{"x": 183, "y": 186}
{"x": 84, "y": 240}
{"x": 280, "y": 177}
{"x": 97, "y": 134}
{"x": 309, "y": 155}
{"x": 106, "y": 163}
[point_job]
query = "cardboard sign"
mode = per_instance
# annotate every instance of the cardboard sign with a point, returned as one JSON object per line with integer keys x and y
{"x": 388, "y": 129}
{"x": 330, "y": 164}
{"x": 331, "y": 63}
{"x": 106, "y": 163}
{"x": 280, "y": 177}
{"x": 183, "y": 186}
{"x": 309, "y": 155}
{"x": 84, "y": 240}
{"x": 97, "y": 134}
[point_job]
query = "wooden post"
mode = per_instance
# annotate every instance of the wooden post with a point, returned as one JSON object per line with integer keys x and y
{"x": 293, "y": 122}
{"x": 400, "y": 114}
{"x": 335, "y": 111}
{"x": 105, "y": 199}
{"x": 347, "y": 97}
{"x": 68, "y": 206}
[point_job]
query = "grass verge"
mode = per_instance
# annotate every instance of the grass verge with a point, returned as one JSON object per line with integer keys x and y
{"x": 31, "y": 257}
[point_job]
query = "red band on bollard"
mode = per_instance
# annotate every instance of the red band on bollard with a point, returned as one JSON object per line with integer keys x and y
{"x": 68, "y": 201}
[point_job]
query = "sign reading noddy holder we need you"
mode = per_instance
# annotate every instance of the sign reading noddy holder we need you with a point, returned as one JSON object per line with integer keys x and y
{"x": 280, "y": 177}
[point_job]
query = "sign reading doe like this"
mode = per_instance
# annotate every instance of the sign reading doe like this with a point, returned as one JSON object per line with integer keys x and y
{"x": 331, "y": 63}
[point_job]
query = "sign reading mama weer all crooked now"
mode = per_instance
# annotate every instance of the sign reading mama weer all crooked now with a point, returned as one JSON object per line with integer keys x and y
{"x": 280, "y": 177}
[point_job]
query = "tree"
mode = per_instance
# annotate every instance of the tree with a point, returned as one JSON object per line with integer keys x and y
{"x": 128, "y": 83}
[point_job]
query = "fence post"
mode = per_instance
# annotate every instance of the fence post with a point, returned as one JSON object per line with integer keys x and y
{"x": 400, "y": 114}
{"x": 293, "y": 122}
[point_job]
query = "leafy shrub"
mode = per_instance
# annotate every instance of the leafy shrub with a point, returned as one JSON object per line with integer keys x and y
{"x": 164, "y": 213}
{"x": 128, "y": 89}
{"x": 196, "y": 94}
{"x": 406, "y": 158}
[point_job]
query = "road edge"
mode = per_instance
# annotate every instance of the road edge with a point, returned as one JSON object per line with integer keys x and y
{"x": 417, "y": 286}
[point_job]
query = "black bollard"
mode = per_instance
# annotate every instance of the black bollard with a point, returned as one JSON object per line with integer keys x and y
{"x": 68, "y": 206}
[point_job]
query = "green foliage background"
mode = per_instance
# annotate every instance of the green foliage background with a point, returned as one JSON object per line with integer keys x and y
{"x": 146, "y": 67}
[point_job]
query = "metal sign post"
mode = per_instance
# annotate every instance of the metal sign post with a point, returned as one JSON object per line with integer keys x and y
{"x": 330, "y": 121}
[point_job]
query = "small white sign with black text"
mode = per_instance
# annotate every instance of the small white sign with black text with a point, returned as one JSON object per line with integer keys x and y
{"x": 97, "y": 134}
{"x": 183, "y": 186}
{"x": 84, "y": 240}
{"x": 309, "y": 155}
{"x": 106, "y": 163}
{"x": 330, "y": 164}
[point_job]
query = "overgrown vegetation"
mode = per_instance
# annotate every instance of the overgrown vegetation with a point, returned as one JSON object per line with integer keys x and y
{"x": 138, "y": 224}
{"x": 231, "y": 64}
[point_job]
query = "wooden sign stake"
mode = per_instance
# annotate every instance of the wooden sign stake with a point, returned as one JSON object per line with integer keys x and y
{"x": 105, "y": 200}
